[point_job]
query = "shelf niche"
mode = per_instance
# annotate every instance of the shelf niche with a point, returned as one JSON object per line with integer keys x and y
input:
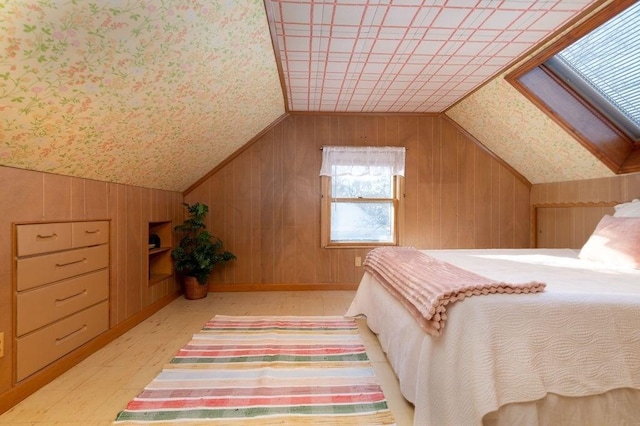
{"x": 160, "y": 262}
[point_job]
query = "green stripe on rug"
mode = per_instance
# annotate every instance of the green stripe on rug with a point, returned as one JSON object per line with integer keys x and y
{"x": 270, "y": 358}
{"x": 235, "y": 413}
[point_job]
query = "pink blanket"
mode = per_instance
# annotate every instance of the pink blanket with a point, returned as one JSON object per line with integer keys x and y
{"x": 425, "y": 286}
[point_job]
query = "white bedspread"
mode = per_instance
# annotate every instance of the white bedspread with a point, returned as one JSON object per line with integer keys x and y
{"x": 579, "y": 337}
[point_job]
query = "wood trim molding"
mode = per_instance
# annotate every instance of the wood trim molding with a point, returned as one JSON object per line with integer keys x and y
{"x": 36, "y": 381}
{"x": 217, "y": 287}
{"x": 536, "y": 206}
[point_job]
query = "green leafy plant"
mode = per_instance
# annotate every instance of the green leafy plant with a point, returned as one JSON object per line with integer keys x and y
{"x": 198, "y": 251}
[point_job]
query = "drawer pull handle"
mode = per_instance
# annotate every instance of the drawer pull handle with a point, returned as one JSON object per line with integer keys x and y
{"x": 81, "y": 329}
{"x": 44, "y": 237}
{"x": 80, "y": 293}
{"x": 97, "y": 231}
{"x": 72, "y": 263}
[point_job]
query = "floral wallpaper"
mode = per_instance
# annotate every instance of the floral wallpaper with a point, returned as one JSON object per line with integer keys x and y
{"x": 153, "y": 93}
{"x": 522, "y": 135}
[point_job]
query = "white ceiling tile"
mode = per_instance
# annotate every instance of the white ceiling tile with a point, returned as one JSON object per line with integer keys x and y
{"x": 322, "y": 13}
{"x": 298, "y": 56}
{"x": 363, "y": 45}
{"x": 512, "y": 50}
{"x": 348, "y": 15}
{"x": 297, "y": 44}
{"x": 374, "y": 15}
{"x": 380, "y": 58}
{"x": 525, "y": 20}
{"x": 400, "y": 16}
{"x": 494, "y": 48}
{"x": 333, "y": 84}
{"x": 296, "y": 12}
{"x": 426, "y": 15}
{"x": 338, "y": 57}
{"x": 336, "y": 67}
{"x": 451, "y": 17}
{"x": 438, "y": 34}
{"x": 449, "y": 70}
{"x": 373, "y": 68}
{"x": 476, "y": 18}
{"x": 298, "y": 66}
{"x": 385, "y": 46}
{"x": 550, "y": 21}
{"x": 429, "y": 47}
{"x": 450, "y": 48}
{"x": 501, "y": 19}
{"x": 320, "y": 44}
{"x": 342, "y": 44}
{"x": 471, "y": 48}
{"x": 390, "y": 33}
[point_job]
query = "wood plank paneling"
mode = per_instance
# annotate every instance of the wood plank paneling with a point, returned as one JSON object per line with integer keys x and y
{"x": 36, "y": 196}
{"x": 570, "y": 226}
{"x": 457, "y": 195}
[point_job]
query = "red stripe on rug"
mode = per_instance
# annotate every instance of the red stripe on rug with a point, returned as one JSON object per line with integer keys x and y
{"x": 255, "y": 401}
{"x": 256, "y": 391}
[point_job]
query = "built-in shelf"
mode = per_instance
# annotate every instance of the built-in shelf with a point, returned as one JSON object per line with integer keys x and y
{"x": 160, "y": 262}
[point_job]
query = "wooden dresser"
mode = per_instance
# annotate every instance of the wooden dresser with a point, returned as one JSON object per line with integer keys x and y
{"x": 61, "y": 290}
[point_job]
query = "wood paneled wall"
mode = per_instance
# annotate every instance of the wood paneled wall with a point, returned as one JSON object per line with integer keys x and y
{"x": 33, "y": 197}
{"x": 563, "y": 225}
{"x": 265, "y": 203}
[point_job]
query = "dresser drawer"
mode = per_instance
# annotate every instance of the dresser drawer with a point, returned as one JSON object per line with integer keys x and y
{"x": 47, "y": 344}
{"x": 85, "y": 234}
{"x": 43, "y": 237}
{"x": 35, "y": 271}
{"x": 50, "y": 303}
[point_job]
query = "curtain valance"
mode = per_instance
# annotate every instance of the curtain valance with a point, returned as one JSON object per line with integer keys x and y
{"x": 358, "y": 161}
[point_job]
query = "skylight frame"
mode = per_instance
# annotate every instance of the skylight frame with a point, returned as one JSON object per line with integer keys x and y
{"x": 575, "y": 114}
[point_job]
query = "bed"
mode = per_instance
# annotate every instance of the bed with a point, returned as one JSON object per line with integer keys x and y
{"x": 567, "y": 355}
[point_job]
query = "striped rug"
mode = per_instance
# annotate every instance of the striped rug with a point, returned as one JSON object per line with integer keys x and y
{"x": 265, "y": 371}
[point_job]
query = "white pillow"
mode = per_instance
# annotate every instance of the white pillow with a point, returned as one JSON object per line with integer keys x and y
{"x": 630, "y": 209}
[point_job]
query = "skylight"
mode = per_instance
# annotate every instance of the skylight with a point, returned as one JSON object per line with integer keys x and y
{"x": 604, "y": 67}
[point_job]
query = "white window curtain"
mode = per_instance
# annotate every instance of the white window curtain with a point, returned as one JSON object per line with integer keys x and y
{"x": 359, "y": 161}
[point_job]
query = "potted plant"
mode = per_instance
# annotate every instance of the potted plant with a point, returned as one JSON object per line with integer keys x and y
{"x": 198, "y": 252}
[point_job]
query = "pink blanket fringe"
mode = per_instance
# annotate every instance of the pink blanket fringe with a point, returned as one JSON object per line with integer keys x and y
{"x": 425, "y": 285}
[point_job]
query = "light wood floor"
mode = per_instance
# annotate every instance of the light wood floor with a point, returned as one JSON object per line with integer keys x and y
{"x": 94, "y": 391}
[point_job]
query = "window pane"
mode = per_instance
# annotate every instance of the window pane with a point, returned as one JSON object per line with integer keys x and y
{"x": 362, "y": 222}
{"x": 379, "y": 185}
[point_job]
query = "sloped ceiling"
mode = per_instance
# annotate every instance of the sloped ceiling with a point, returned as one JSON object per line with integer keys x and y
{"x": 148, "y": 93}
{"x": 403, "y": 56}
{"x": 156, "y": 94}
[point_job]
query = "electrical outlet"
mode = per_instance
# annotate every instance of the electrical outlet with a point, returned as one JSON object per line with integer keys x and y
{"x": 1, "y": 345}
{"x": 358, "y": 261}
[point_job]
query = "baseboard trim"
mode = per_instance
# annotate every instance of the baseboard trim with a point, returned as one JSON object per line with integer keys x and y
{"x": 214, "y": 288}
{"x": 31, "y": 384}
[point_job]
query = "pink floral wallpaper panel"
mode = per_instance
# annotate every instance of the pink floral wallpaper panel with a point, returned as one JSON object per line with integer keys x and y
{"x": 147, "y": 93}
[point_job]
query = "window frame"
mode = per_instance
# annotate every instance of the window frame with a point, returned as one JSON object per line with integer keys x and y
{"x": 595, "y": 131}
{"x": 325, "y": 215}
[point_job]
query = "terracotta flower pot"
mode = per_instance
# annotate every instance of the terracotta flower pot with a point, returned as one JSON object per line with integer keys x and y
{"x": 193, "y": 289}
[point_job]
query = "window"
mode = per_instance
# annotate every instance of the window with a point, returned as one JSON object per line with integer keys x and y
{"x": 604, "y": 68}
{"x": 360, "y": 195}
{"x": 589, "y": 83}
